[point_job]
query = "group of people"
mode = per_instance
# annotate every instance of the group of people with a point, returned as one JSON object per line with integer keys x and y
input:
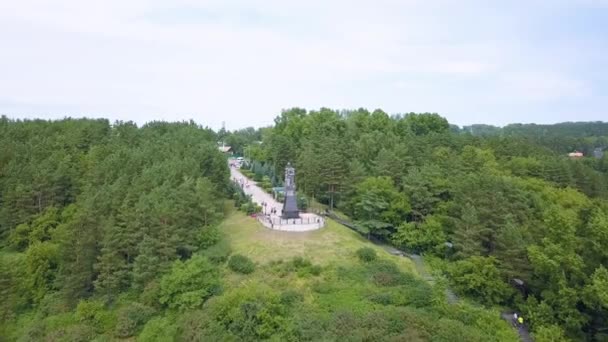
{"x": 273, "y": 210}
{"x": 517, "y": 319}
{"x": 242, "y": 182}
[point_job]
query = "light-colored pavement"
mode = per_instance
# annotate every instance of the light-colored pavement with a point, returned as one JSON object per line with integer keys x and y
{"x": 258, "y": 195}
{"x": 306, "y": 222}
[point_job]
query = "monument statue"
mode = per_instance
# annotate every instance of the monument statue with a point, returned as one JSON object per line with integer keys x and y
{"x": 290, "y": 205}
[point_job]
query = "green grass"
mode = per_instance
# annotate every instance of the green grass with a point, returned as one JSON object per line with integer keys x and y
{"x": 332, "y": 245}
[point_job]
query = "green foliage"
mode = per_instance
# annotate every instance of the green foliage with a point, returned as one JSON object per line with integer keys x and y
{"x": 158, "y": 329}
{"x": 218, "y": 253}
{"x": 378, "y": 205}
{"x": 426, "y": 123}
{"x": 14, "y": 290}
{"x": 208, "y": 237}
{"x": 420, "y": 237}
{"x": 386, "y": 273}
{"x": 188, "y": 284}
{"x": 93, "y": 313}
{"x": 551, "y": 333}
{"x": 241, "y": 264}
{"x": 366, "y": 254}
{"x": 598, "y": 287}
{"x": 480, "y": 277}
{"x": 251, "y": 313}
{"x": 41, "y": 261}
{"x": 131, "y": 318}
{"x": 302, "y": 203}
{"x": 290, "y": 297}
{"x": 90, "y": 209}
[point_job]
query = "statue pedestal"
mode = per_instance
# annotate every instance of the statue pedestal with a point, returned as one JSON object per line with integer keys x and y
{"x": 290, "y": 208}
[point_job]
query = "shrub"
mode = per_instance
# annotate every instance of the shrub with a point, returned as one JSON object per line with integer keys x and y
{"x": 241, "y": 264}
{"x": 305, "y": 267}
{"x": 131, "y": 318}
{"x": 252, "y": 313}
{"x": 322, "y": 287}
{"x": 300, "y": 262}
{"x": 315, "y": 270}
{"x": 189, "y": 283}
{"x": 290, "y": 297}
{"x": 386, "y": 273}
{"x": 158, "y": 329}
{"x": 208, "y": 237}
{"x": 218, "y": 253}
{"x": 302, "y": 203}
{"x": 480, "y": 277}
{"x": 382, "y": 298}
{"x": 550, "y": 333}
{"x": 366, "y": 254}
{"x": 75, "y": 333}
{"x": 91, "y": 312}
{"x": 420, "y": 296}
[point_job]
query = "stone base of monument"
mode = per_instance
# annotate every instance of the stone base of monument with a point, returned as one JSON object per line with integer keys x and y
{"x": 306, "y": 222}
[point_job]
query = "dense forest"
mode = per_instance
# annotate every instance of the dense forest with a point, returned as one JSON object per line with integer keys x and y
{"x": 114, "y": 231}
{"x": 88, "y": 208}
{"x": 509, "y": 218}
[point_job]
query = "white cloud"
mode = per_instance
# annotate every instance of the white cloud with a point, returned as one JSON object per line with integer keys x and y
{"x": 242, "y": 61}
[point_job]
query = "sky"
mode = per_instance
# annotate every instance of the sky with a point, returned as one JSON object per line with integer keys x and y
{"x": 241, "y": 62}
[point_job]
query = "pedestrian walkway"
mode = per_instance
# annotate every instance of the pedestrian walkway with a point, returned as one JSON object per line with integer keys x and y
{"x": 522, "y": 330}
{"x": 306, "y": 222}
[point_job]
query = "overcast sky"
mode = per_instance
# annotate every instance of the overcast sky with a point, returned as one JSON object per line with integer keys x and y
{"x": 241, "y": 62}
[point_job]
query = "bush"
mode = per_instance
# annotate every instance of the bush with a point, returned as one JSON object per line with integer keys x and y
{"x": 131, "y": 318}
{"x": 549, "y": 333}
{"x": 218, "y": 253}
{"x": 189, "y": 283}
{"x": 315, "y": 270}
{"x": 481, "y": 278}
{"x": 72, "y": 333}
{"x": 91, "y": 312}
{"x": 302, "y": 203}
{"x": 386, "y": 273}
{"x": 366, "y": 254}
{"x": 300, "y": 262}
{"x": 158, "y": 329}
{"x": 305, "y": 267}
{"x": 208, "y": 237}
{"x": 290, "y": 297}
{"x": 252, "y": 313}
{"x": 322, "y": 287}
{"x": 241, "y": 264}
{"x": 382, "y": 298}
{"x": 420, "y": 296}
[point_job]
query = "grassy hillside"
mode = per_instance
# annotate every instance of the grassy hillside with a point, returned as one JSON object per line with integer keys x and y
{"x": 340, "y": 297}
{"x": 332, "y": 245}
{"x": 260, "y": 284}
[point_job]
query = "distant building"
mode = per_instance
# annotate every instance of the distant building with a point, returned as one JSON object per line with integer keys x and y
{"x": 575, "y": 154}
{"x": 598, "y": 153}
